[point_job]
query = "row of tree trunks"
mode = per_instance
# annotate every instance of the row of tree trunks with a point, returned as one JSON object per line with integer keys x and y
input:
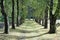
{"x": 52, "y": 19}
{"x": 42, "y": 21}
{"x": 38, "y": 21}
{"x": 5, "y": 17}
{"x": 21, "y": 20}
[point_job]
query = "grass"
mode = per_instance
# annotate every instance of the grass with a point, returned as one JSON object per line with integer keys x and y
{"x": 29, "y": 30}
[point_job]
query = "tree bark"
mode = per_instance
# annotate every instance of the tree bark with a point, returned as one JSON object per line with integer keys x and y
{"x": 52, "y": 19}
{"x": 52, "y": 24}
{"x": 40, "y": 21}
{"x": 43, "y": 22}
{"x": 17, "y": 13}
{"x": 13, "y": 24}
{"x": 46, "y": 17}
{"x": 5, "y": 18}
{"x": 21, "y": 20}
{"x": 36, "y": 20}
{"x": 21, "y": 17}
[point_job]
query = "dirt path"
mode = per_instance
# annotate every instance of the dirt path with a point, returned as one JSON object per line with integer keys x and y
{"x": 29, "y": 30}
{"x": 34, "y": 31}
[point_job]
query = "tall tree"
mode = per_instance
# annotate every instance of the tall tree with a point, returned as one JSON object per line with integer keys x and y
{"x": 22, "y": 15}
{"x": 5, "y": 17}
{"x": 17, "y": 12}
{"x": 53, "y": 17}
{"x": 13, "y": 24}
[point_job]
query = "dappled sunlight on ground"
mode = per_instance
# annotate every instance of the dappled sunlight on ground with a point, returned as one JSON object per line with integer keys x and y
{"x": 30, "y": 30}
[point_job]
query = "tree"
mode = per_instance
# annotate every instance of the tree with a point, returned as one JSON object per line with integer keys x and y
{"x": 5, "y": 18}
{"x": 53, "y": 17}
{"x": 46, "y": 17}
{"x": 18, "y": 13}
{"x": 13, "y": 24}
{"x": 22, "y": 14}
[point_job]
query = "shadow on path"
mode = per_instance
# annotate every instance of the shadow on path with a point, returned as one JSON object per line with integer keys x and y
{"x": 25, "y": 31}
{"x": 24, "y": 37}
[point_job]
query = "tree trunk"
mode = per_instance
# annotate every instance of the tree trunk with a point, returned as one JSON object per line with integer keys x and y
{"x": 5, "y": 18}
{"x": 13, "y": 25}
{"x": 43, "y": 22}
{"x": 17, "y": 13}
{"x": 52, "y": 24}
{"x": 52, "y": 19}
{"x": 21, "y": 20}
{"x": 46, "y": 17}
{"x": 6, "y": 24}
{"x": 36, "y": 20}
{"x": 40, "y": 21}
{"x": 21, "y": 17}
